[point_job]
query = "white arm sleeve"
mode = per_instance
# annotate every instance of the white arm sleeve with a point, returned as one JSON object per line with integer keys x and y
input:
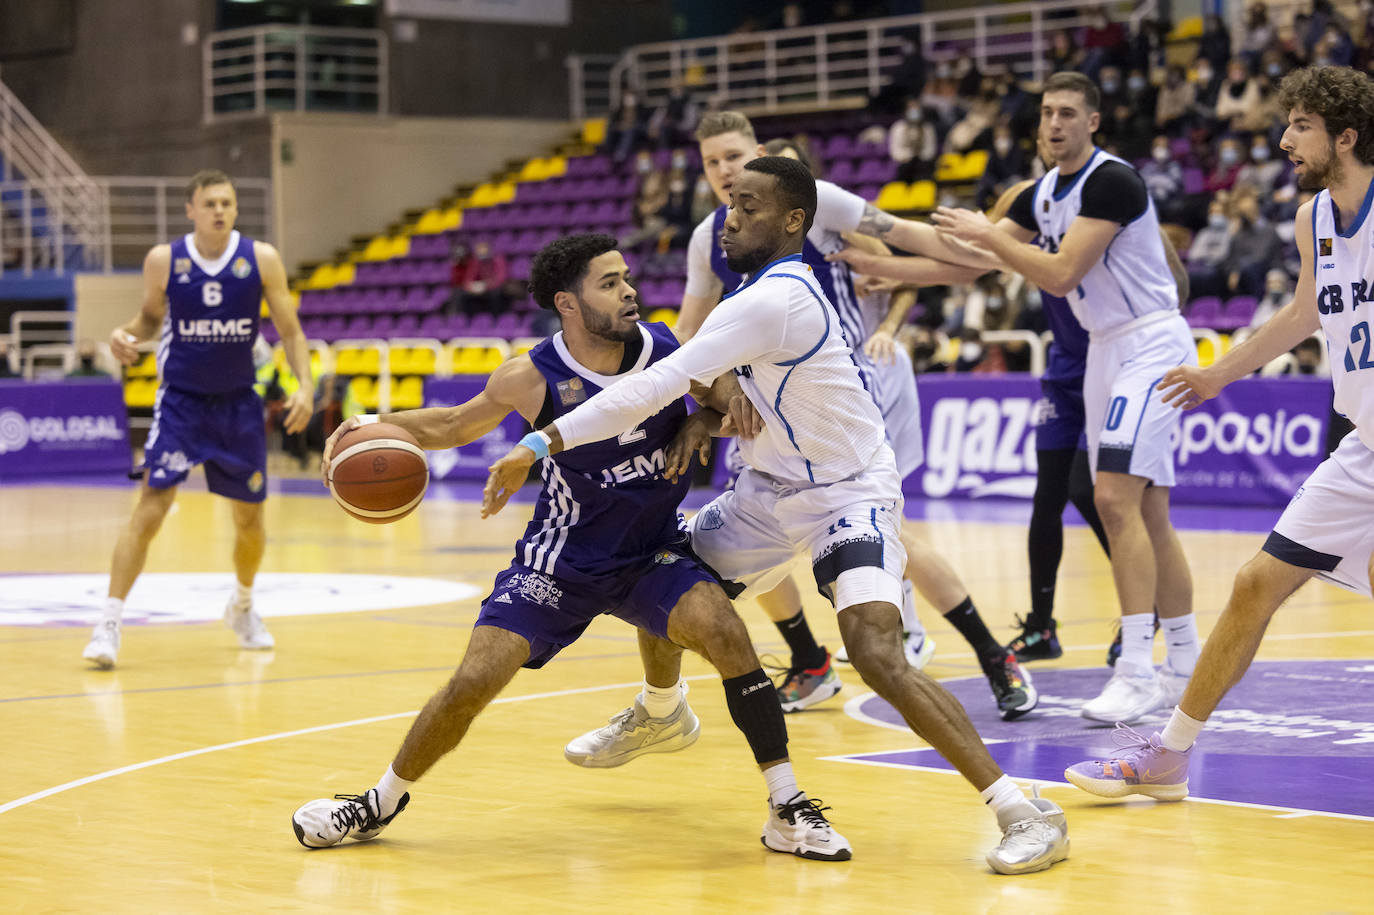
{"x": 739, "y": 331}
{"x": 837, "y": 209}
{"x": 701, "y": 279}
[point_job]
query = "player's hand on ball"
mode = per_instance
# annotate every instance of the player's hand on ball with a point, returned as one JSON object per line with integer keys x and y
{"x": 694, "y": 437}
{"x": 344, "y": 427}
{"x": 506, "y": 476}
{"x": 298, "y": 408}
{"x": 1187, "y": 386}
{"x": 123, "y": 346}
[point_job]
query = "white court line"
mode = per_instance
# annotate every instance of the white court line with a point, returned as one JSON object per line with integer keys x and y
{"x": 187, "y": 754}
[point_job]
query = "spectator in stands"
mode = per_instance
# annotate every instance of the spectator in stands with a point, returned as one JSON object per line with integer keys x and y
{"x": 1146, "y": 51}
{"x": 1273, "y": 63}
{"x": 912, "y": 143}
{"x": 672, "y": 123}
{"x": 626, "y": 130}
{"x": 1133, "y": 117}
{"x": 941, "y": 97}
{"x": 1064, "y": 52}
{"x": 704, "y": 200}
{"x": 1262, "y": 173}
{"x": 1163, "y": 178}
{"x": 974, "y": 130}
{"x": 1006, "y": 166}
{"x": 1207, "y": 86}
{"x": 1215, "y": 44}
{"x": 1230, "y": 158}
{"x": 1278, "y": 292}
{"x": 1318, "y": 25}
{"x": 1239, "y": 94}
{"x": 483, "y": 285}
{"x": 1259, "y": 33}
{"x": 8, "y": 364}
{"x": 459, "y": 259}
{"x": 1103, "y": 41}
{"x": 1334, "y": 48}
{"x": 86, "y": 366}
{"x": 651, "y": 194}
{"x": 677, "y": 208}
{"x": 1208, "y": 253}
{"x": 1113, "y": 93}
{"x": 1255, "y": 247}
{"x": 1175, "y": 101}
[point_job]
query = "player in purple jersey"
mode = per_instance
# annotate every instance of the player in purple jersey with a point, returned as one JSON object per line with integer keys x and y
{"x": 202, "y": 296}
{"x": 604, "y": 539}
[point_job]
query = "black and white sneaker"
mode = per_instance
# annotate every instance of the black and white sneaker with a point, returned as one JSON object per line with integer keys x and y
{"x": 1011, "y": 686}
{"x": 324, "y": 822}
{"x": 800, "y": 828}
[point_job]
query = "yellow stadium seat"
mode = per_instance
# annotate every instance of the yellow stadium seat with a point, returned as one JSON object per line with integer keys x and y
{"x": 421, "y": 362}
{"x": 558, "y": 167}
{"x": 431, "y": 222}
{"x": 453, "y": 218}
{"x": 893, "y": 196}
{"x": 378, "y": 249}
{"x": 316, "y": 363}
{"x": 1207, "y": 351}
{"x": 922, "y": 196}
{"x": 666, "y": 315}
{"x": 522, "y": 347}
{"x": 145, "y": 367}
{"x": 343, "y": 276}
{"x": 975, "y": 162}
{"x": 140, "y": 392}
{"x": 594, "y": 131}
{"x": 946, "y": 166}
{"x": 322, "y": 277}
{"x": 364, "y": 391}
{"x": 535, "y": 169}
{"x": 484, "y": 195}
{"x": 357, "y": 361}
{"x": 407, "y": 393}
{"x": 476, "y": 360}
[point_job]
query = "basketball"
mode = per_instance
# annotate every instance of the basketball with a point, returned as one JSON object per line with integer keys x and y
{"x": 378, "y": 473}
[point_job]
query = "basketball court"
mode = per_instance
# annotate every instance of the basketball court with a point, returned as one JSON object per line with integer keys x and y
{"x": 167, "y": 784}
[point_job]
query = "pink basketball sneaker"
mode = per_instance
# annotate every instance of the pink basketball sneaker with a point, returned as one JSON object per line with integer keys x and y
{"x": 1148, "y": 768}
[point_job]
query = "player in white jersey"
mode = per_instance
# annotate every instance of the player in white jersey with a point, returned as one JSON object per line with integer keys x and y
{"x": 727, "y": 142}
{"x": 820, "y": 478}
{"x": 1100, "y": 249}
{"x": 1325, "y": 531}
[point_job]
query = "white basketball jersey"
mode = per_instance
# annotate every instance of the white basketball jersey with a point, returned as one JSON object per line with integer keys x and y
{"x": 1132, "y": 279}
{"x": 1343, "y": 263}
{"x": 820, "y": 423}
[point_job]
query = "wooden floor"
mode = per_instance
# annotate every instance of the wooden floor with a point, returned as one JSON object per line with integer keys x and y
{"x": 167, "y": 784}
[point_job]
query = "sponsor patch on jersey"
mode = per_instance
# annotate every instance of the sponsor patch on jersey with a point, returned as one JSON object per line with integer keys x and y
{"x": 571, "y": 391}
{"x": 666, "y": 558}
{"x": 710, "y": 518}
{"x": 1045, "y": 205}
{"x": 502, "y": 598}
{"x": 241, "y": 268}
{"x": 537, "y": 588}
{"x": 181, "y": 265}
{"x": 1323, "y": 247}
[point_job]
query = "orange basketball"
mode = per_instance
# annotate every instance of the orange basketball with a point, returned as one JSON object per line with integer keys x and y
{"x": 378, "y": 473}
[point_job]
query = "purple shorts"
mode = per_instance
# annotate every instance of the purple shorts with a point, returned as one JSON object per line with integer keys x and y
{"x": 225, "y": 432}
{"x": 551, "y": 613}
{"x": 1059, "y": 415}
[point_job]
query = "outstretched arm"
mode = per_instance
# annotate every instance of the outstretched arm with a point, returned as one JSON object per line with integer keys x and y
{"x": 920, "y": 238}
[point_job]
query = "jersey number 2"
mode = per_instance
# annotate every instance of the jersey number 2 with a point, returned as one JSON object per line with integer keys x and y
{"x": 212, "y": 293}
{"x": 1359, "y": 334}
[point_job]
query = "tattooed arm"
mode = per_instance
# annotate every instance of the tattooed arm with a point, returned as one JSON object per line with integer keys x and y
{"x": 920, "y": 238}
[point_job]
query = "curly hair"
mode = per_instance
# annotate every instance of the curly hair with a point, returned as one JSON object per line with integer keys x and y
{"x": 1343, "y": 98}
{"x": 562, "y": 265}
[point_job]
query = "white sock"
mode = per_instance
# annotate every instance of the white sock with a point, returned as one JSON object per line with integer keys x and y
{"x": 1181, "y": 731}
{"x": 390, "y": 788}
{"x": 782, "y": 784}
{"x": 243, "y": 596}
{"x": 113, "y": 611}
{"x": 660, "y": 701}
{"x": 911, "y": 623}
{"x": 1008, "y": 801}
{"x": 1137, "y": 643}
{"x": 1180, "y": 638}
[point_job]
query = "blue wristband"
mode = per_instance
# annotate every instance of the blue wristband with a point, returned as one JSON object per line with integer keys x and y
{"x": 536, "y": 443}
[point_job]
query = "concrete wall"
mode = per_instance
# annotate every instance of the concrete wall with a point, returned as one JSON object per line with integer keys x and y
{"x": 104, "y": 301}
{"x": 352, "y": 174}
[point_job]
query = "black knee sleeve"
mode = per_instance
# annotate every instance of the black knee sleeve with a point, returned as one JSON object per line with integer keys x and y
{"x": 753, "y": 703}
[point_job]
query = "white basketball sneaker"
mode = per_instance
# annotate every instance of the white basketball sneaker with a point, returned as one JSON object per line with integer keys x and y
{"x": 248, "y": 626}
{"x": 800, "y": 828}
{"x": 1032, "y": 844}
{"x": 1172, "y": 684}
{"x": 633, "y": 733}
{"x": 103, "y": 647}
{"x": 325, "y": 822}
{"x": 919, "y": 648}
{"x": 1128, "y": 697}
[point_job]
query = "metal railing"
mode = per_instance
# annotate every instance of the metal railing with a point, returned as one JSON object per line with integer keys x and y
{"x": 143, "y": 212}
{"x": 253, "y": 71}
{"x": 48, "y": 205}
{"x": 841, "y": 64}
{"x": 589, "y": 83}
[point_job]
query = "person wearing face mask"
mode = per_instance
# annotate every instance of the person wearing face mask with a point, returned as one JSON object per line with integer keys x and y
{"x": 85, "y": 362}
{"x": 1163, "y": 178}
{"x": 1006, "y": 166}
{"x": 1261, "y": 174}
{"x": 1259, "y": 32}
{"x": 1174, "y": 103}
{"x": 913, "y": 144}
{"x": 1229, "y": 160}
{"x": 1207, "y": 254}
{"x": 1237, "y": 95}
{"x": 1278, "y": 292}
{"x": 1255, "y": 247}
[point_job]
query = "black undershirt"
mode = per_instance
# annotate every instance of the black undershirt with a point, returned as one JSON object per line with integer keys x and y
{"x": 1114, "y": 192}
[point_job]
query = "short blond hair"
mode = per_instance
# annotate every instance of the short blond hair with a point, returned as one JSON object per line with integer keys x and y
{"x": 716, "y": 123}
{"x": 207, "y": 177}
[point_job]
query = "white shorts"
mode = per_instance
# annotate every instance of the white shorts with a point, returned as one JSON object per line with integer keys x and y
{"x": 1329, "y": 524}
{"x": 750, "y": 535}
{"x": 895, "y": 394}
{"x": 1129, "y": 428}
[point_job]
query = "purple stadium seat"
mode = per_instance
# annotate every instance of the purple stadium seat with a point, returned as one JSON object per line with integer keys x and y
{"x": 1204, "y": 311}
{"x": 359, "y": 326}
{"x": 840, "y": 145}
{"x": 1238, "y": 312}
{"x": 1194, "y": 181}
{"x": 382, "y": 325}
{"x": 842, "y": 171}
{"x": 519, "y": 268}
{"x": 406, "y": 326}
{"x": 431, "y": 326}
{"x": 481, "y": 325}
{"x": 269, "y": 332}
{"x": 505, "y": 326}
